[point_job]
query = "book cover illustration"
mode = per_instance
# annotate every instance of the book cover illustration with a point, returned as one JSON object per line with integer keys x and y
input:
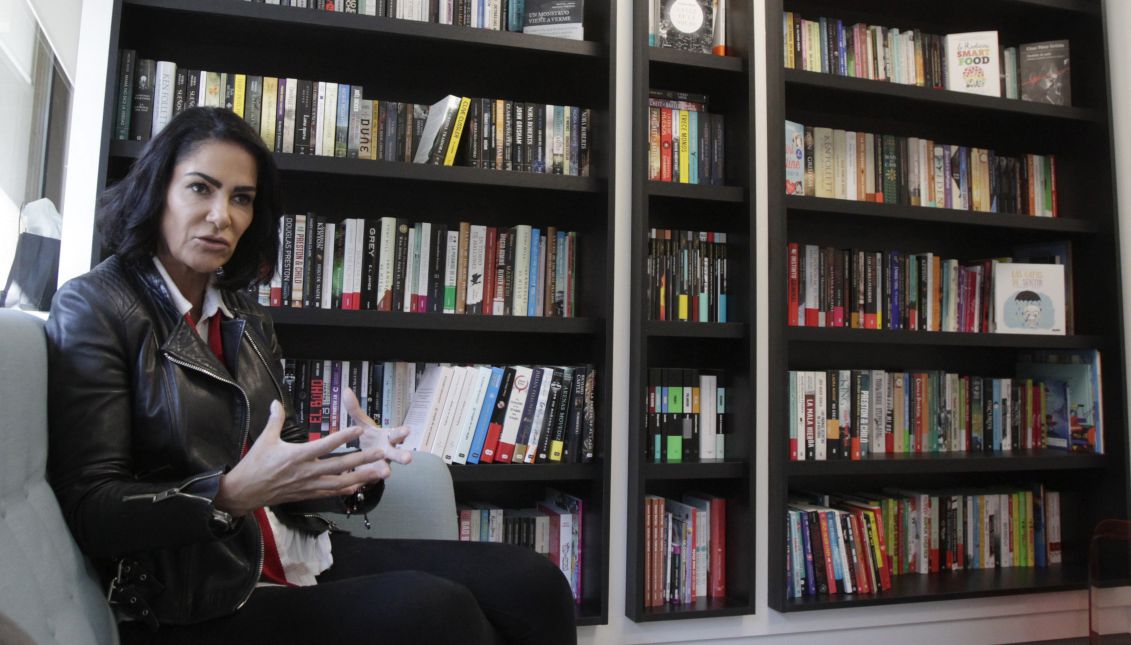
{"x": 1029, "y": 298}
{"x": 794, "y": 158}
{"x": 1044, "y": 72}
{"x": 973, "y": 63}
{"x": 688, "y": 25}
{"x": 556, "y": 18}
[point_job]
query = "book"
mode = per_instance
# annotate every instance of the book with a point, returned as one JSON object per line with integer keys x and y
{"x": 1044, "y": 73}
{"x": 556, "y": 18}
{"x": 1029, "y": 298}
{"x": 688, "y": 25}
{"x": 972, "y": 63}
{"x": 794, "y": 158}
{"x": 437, "y": 130}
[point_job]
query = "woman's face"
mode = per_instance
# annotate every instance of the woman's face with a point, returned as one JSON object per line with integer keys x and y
{"x": 208, "y": 207}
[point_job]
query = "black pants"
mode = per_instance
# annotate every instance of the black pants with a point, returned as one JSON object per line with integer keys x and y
{"x": 416, "y": 592}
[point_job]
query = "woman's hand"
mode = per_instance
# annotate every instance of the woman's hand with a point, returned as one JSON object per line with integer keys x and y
{"x": 275, "y": 471}
{"x": 377, "y": 439}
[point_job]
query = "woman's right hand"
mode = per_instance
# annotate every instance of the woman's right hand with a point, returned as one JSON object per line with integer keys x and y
{"x": 275, "y": 471}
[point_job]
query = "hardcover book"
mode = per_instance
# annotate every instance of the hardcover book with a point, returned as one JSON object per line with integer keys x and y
{"x": 1029, "y": 298}
{"x": 1045, "y": 73}
{"x": 972, "y": 62}
{"x": 557, "y": 18}
{"x": 688, "y": 25}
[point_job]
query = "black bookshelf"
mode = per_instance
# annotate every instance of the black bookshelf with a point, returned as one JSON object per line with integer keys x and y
{"x": 421, "y": 62}
{"x": 1092, "y": 486}
{"x": 728, "y": 82}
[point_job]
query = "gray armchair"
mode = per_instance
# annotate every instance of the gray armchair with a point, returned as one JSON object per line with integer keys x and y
{"x": 48, "y": 590}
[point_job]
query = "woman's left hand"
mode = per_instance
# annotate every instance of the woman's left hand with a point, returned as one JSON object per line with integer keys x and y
{"x": 374, "y": 436}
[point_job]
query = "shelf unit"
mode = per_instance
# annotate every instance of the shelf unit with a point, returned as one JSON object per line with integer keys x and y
{"x": 421, "y": 62}
{"x": 1092, "y": 486}
{"x": 728, "y": 82}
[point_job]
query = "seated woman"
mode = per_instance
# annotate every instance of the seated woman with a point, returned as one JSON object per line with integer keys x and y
{"x": 183, "y": 474}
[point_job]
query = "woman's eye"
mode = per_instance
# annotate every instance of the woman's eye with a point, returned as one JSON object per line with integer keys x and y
{"x": 243, "y": 199}
{"x": 199, "y": 188}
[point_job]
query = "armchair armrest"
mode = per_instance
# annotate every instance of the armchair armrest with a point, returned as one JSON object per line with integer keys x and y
{"x": 419, "y": 503}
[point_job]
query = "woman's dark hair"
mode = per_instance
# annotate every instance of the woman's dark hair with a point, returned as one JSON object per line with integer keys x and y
{"x": 129, "y": 212}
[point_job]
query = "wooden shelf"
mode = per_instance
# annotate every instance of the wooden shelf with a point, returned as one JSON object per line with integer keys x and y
{"x": 401, "y": 171}
{"x": 838, "y": 335}
{"x": 705, "y": 469}
{"x": 416, "y": 34}
{"x": 434, "y": 322}
{"x": 949, "y": 462}
{"x": 885, "y": 90}
{"x": 702, "y": 608}
{"x": 669, "y": 56}
{"x": 735, "y": 194}
{"x": 523, "y": 472}
{"x": 795, "y": 205}
{"x": 978, "y": 583}
{"x": 684, "y": 329}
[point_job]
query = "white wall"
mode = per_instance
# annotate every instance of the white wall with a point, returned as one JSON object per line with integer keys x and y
{"x": 994, "y": 620}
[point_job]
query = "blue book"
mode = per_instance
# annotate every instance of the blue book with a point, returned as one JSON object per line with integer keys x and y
{"x": 342, "y": 121}
{"x": 532, "y": 291}
{"x": 485, "y": 415}
{"x": 811, "y": 587}
{"x": 842, "y": 49}
{"x": 515, "y": 15}
{"x": 895, "y": 317}
{"x": 834, "y": 542}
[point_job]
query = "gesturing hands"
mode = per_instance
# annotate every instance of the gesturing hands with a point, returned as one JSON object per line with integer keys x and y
{"x": 275, "y": 471}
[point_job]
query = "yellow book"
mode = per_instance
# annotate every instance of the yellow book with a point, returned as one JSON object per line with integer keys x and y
{"x": 376, "y": 128}
{"x": 683, "y": 306}
{"x": 684, "y": 152}
{"x": 267, "y": 120}
{"x": 457, "y": 131}
{"x": 238, "y": 96}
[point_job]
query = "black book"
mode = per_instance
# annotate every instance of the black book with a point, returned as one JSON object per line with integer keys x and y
{"x": 400, "y": 264}
{"x": 308, "y": 265}
{"x": 192, "y": 88}
{"x": 339, "y": 261}
{"x": 369, "y": 264}
{"x": 587, "y": 129}
{"x": 1044, "y": 72}
{"x": 402, "y": 130}
{"x": 126, "y": 63}
{"x": 508, "y": 281}
{"x": 229, "y": 91}
{"x": 304, "y": 117}
{"x": 472, "y": 142}
{"x": 528, "y": 142}
{"x": 574, "y": 116}
{"x": 280, "y": 114}
{"x": 253, "y": 102}
{"x": 317, "y": 259}
{"x": 302, "y": 389}
{"x": 180, "y": 87}
{"x": 487, "y": 133}
{"x": 538, "y": 159}
{"x": 527, "y": 418}
{"x": 317, "y": 394}
{"x": 687, "y": 24}
{"x": 508, "y": 135}
{"x": 438, "y": 264}
{"x": 554, "y": 404}
{"x": 575, "y": 423}
{"x": 376, "y": 378}
{"x": 518, "y": 158}
{"x": 379, "y": 130}
{"x": 817, "y": 548}
{"x": 141, "y": 113}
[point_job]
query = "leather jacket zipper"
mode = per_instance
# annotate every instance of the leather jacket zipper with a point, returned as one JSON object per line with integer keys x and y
{"x": 246, "y": 430}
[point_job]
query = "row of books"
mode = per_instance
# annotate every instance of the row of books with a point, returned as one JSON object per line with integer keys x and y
{"x": 562, "y": 19}
{"x": 553, "y": 527}
{"x": 687, "y": 275}
{"x": 391, "y": 264}
{"x": 857, "y": 543}
{"x": 685, "y": 415}
{"x": 516, "y": 414}
{"x": 832, "y": 287}
{"x": 967, "y": 62}
{"x": 852, "y": 414}
{"x": 329, "y": 119}
{"x": 686, "y": 143}
{"x": 912, "y": 171}
{"x": 684, "y": 549}
{"x": 691, "y": 25}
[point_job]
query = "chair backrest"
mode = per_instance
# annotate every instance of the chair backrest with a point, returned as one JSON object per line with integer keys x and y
{"x": 47, "y": 588}
{"x": 418, "y": 503}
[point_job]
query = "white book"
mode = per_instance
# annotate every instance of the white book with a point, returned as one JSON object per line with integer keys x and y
{"x": 521, "y": 269}
{"x": 1029, "y": 298}
{"x": 385, "y": 262}
{"x": 869, "y": 164}
{"x": 411, "y": 265}
{"x": 424, "y": 410}
{"x": 972, "y": 63}
{"x": 820, "y": 423}
{"x": 299, "y": 262}
{"x": 475, "y": 273}
{"x": 470, "y": 421}
{"x": 290, "y": 99}
{"x": 564, "y": 522}
{"x": 925, "y": 162}
{"x": 451, "y": 271}
{"x": 462, "y": 415}
{"x": 343, "y": 416}
{"x": 540, "y": 291}
{"x": 348, "y": 262}
{"x": 840, "y": 165}
{"x": 878, "y": 443}
{"x": 328, "y": 121}
{"x": 850, "y": 169}
{"x": 707, "y": 416}
{"x": 370, "y": 8}
{"x": 318, "y": 135}
{"x": 328, "y": 267}
{"x": 453, "y": 406}
{"x": 520, "y": 390}
{"x": 358, "y": 261}
{"x": 539, "y": 417}
{"x": 164, "y": 85}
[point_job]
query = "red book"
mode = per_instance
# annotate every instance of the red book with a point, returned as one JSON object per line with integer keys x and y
{"x": 863, "y": 569}
{"x": 489, "y": 269}
{"x": 1052, "y": 181}
{"x": 665, "y": 144}
{"x": 822, "y": 520}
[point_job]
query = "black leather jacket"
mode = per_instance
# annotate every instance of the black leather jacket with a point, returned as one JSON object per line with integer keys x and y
{"x": 143, "y": 421}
